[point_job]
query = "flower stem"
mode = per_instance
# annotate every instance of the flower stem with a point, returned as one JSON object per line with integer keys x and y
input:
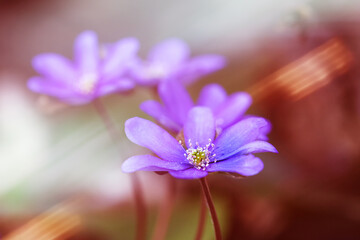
{"x": 207, "y": 195}
{"x": 138, "y": 194}
{"x": 100, "y": 108}
{"x": 202, "y": 217}
{"x": 166, "y": 208}
{"x": 140, "y": 207}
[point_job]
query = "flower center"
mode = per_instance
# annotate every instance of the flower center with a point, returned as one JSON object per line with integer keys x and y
{"x": 200, "y": 157}
{"x": 87, "y": 83}
{"x": 156, "y": 71}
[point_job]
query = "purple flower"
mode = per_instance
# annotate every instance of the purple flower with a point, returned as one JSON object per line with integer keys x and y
{"x": 177, "y": 102}
{"x": 203, "y": 152}
{"x": 94, "y": 72}
{"x": 170, "y": 60}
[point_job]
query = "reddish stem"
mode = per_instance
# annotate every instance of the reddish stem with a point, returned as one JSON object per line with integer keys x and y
{"x": 207, "y": 195}
{"x": 138, "y": 194}
{"x": 100, "y": 108}
{"x": 140, "y": 207}
{"x": 202, "y": 217}
{"x": 166, "y": 209}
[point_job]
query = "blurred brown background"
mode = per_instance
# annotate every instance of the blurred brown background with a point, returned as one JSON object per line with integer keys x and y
{"x": 51, "y": 153}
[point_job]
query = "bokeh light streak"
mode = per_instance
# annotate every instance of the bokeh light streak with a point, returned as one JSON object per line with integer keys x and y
{"x": 307, "y": 74}
{"x": 57, "y": 223}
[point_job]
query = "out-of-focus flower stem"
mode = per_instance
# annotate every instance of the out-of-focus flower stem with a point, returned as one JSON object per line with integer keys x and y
{"x": 202, "y": 217}
{"x": 207, "y": 195}
{"x": 138, "y": 194}
{"x": 140, "y": 207}
{"x": 101, "y": 110}
{"x": 166, "y": 209}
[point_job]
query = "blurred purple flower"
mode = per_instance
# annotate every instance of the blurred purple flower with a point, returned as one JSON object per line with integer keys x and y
{"x": 177, "y": 102}
{"x": 203, "y": 152}
{"x": 94, "y": 72}
{"x": 170, "y": 60}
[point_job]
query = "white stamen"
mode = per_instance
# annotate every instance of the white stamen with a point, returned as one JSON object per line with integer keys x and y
{"x": 200, "y": 157}
{"x": 87, "y": 83}
{"x": 156, "y": 71}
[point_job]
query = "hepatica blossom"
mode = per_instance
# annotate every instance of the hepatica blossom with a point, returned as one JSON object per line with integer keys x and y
{"x": 226, "y": 109}
{"x": 201, "y": 151}
{"x": 95, "y": 71}
{"x": 170, "y": 59}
